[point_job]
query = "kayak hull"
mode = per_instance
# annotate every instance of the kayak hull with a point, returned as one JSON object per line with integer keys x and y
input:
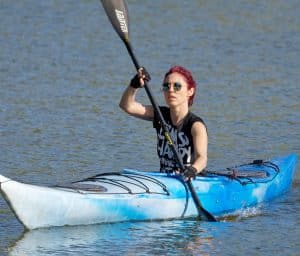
{"x": 134, "y": 196}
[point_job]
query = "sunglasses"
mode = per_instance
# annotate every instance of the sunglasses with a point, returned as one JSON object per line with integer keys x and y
{"x": 167, "y": 86}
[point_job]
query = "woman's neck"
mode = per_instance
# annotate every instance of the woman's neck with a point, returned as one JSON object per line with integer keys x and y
{"x": 178, "y": 114}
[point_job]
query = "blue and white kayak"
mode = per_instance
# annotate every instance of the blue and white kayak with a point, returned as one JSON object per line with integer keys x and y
{"x": 133, "y": 195}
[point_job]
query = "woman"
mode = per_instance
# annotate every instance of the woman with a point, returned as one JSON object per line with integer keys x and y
{"x": 188, "y": 131}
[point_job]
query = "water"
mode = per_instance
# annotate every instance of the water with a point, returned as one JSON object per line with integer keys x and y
{"x": 63, "y": 69}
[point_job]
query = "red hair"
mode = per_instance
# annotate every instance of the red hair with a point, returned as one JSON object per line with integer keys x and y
{"x": 187, "y": 76}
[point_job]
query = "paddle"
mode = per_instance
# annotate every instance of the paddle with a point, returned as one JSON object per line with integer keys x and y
{"x": 117, "y": 13}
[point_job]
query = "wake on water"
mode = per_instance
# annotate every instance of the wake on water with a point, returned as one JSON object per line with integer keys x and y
{"x": 248, "y": 212}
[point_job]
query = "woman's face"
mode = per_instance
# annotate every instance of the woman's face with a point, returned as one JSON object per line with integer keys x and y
{"x": 176, "y": 91}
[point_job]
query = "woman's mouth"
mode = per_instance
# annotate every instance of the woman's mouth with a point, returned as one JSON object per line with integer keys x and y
{"x": 172, "y": 97}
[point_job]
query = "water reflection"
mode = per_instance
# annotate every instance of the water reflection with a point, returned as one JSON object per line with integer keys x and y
{"x": 180, "y": 237}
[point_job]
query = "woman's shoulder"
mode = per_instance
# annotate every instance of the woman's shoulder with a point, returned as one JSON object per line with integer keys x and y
{"x": 193, "y": 118}
{"x": 165, "y": 111}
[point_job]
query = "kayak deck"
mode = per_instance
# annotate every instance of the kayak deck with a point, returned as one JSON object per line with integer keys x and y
{"x": 135, "y": 182}
{"x": 132, "y": 195}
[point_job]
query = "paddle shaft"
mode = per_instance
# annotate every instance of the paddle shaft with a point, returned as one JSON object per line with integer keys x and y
{"x": 156, "y": 109}
{"x": 117, "y": 13}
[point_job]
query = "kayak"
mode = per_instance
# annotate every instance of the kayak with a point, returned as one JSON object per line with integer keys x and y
{"x": 132, "y": 195}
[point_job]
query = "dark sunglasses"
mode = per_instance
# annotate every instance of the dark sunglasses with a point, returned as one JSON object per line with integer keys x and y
{"x": 167, "y": 86}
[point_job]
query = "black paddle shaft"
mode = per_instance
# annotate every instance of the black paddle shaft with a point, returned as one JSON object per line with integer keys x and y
{"x": 117, "y": 13}
{"x": 157, "y": 110}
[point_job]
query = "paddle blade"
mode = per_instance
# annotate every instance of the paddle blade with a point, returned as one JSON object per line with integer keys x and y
{"x": 117, "y": 13}
{"x": 202, "y": 213}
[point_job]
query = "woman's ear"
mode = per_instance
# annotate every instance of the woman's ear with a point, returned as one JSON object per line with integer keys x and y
{"x": 191, "y": 91}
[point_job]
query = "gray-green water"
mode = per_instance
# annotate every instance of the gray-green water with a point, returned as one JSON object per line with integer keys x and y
{"x": 62, "y": 72}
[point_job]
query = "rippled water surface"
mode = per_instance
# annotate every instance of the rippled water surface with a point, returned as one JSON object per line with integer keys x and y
{"x": 63, "y": 70}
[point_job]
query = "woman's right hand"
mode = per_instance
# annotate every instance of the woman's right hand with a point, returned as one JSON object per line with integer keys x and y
{"x": 138, "y": 80}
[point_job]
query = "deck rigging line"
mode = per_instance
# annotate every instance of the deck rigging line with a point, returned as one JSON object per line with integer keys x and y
{"x": 246, "y": 176}
{"x": 111, "y": 178}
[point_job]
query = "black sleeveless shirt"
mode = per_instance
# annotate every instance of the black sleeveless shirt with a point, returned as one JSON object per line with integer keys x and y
{"x": 181, "y": 136}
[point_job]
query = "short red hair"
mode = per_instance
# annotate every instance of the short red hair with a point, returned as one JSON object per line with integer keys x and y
{"x": 188, "y": 77}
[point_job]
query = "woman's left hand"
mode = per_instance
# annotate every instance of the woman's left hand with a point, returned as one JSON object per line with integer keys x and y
{"x": 189, "y": 173}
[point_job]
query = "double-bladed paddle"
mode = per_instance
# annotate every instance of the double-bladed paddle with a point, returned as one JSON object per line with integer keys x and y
{"x": 117, "y": 13}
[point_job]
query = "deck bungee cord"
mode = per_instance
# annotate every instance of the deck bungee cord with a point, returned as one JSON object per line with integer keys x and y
{"x": 246, "y": 176}
{"x": 113, "y": 178}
